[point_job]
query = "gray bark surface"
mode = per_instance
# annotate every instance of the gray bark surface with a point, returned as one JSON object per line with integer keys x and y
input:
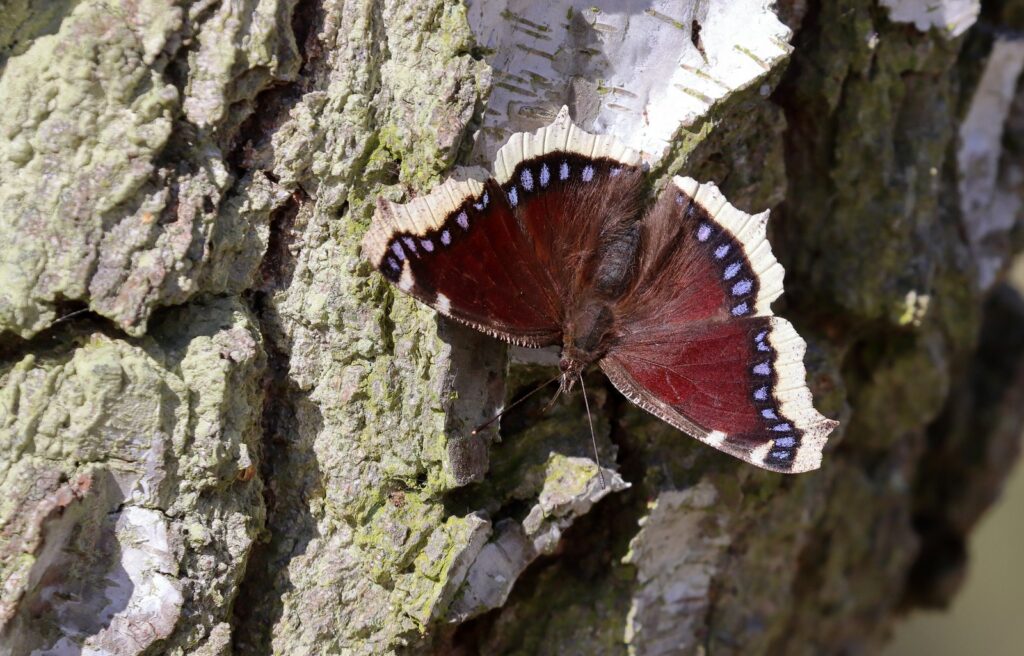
{"x": 222, "y": 433}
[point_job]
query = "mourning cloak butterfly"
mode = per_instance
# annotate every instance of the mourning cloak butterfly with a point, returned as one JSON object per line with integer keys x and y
{"x": 673, "y": 302}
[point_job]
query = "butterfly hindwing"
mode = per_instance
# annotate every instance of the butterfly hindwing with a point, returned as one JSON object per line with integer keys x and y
{"x": 702, "y": 259}
{"x": 736, "y": 385}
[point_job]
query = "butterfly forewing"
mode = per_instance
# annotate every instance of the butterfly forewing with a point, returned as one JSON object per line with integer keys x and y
{"x": 508, "y": 255}
{"x": 462, "y": 251}
{"x": 571, "y": 206}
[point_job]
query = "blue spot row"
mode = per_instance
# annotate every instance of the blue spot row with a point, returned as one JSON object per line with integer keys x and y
{"x": 783, "y": 447}
{"x": 707, "y": 232}
{"x": 399, "y": 253}
{"x": 528, "y": 179}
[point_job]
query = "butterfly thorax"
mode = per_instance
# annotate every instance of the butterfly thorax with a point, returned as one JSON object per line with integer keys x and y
{"x": 585, "y": 338}
{"x": 606, "y": 277}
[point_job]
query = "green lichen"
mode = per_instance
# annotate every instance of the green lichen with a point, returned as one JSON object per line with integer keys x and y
{"x": 441, "y": 566}
{"x": 240, "y": 52}
{"x": 86, "y": 112}
{"x": 395, "y": 532}
{"x": 96, "y": 210}
{"x": 364, "y": 407}
{"x": 27, "y": 20}
{"x": 154, "y": 426}
{"x": 570, "y": 476}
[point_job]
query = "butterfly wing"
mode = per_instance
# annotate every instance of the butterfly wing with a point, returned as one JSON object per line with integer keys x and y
{"x": 461, "y": 251}
{"x": 574, "y": 193}
{"x": 504, "y": 255}
{"x": 696, "y": 344}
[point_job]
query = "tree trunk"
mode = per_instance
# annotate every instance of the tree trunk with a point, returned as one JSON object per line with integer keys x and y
{"x": 223, "y": 433}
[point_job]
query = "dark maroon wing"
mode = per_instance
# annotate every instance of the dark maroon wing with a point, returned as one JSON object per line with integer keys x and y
{"x": 574, "y": 193}
{"x": 504, "y": 255}
{"x": 696, "y": 343}
{"x": 462, "y": 251}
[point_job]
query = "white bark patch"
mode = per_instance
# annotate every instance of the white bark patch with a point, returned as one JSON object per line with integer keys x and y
{"x": 639, "y": 71}
{"x": 989, "y": 193}
{"x": 130, "y": 602}
{"x": 571, "y": 488}
{"x": 143, "y": 591}
{"x": 950, "y": 17}
{"x": 676, "y": 554}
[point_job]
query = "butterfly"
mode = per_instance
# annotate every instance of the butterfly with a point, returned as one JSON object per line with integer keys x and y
{"x": 671, "y": 299}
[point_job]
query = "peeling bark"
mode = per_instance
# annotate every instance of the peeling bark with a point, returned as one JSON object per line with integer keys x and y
{"x": 221, "y": 433}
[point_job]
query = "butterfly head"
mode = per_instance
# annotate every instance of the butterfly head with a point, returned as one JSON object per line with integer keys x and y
{"x": 570, "y": 368}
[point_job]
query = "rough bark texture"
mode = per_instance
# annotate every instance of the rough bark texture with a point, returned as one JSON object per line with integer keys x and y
{"x": 221, "y": 433}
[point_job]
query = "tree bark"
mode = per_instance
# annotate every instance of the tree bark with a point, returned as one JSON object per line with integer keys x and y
{"x": 221, "y": 432}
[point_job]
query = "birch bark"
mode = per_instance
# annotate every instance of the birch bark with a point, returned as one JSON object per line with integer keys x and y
{"x": 222, "y": 433}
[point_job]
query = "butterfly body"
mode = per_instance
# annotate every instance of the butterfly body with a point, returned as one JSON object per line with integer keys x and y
{"x": 589, "y": 325}
{"x": 671, "y": 299}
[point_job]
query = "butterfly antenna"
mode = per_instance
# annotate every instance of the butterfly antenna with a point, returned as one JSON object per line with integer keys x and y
{"x": 514, "y": 404}
{"x": 551, "y": 403}
{"x": 69, "y": 315}
{"x": 593, "y": 437}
